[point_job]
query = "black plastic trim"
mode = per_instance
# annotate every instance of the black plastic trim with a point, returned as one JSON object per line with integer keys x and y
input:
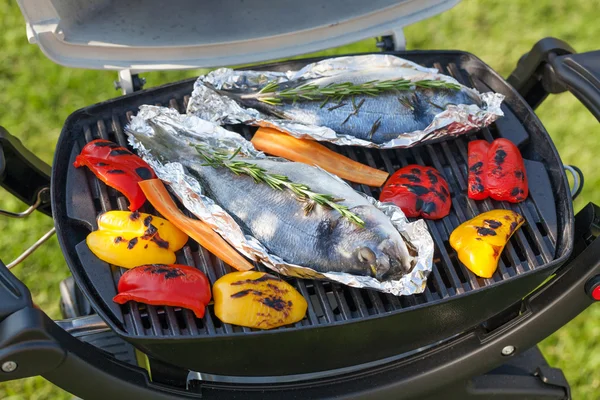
{"x": 533, "y": 77}
{"x": 22, "y": 173}
{"x": 14, "y": 295}
{"x": 552, "y": 66}
{"x": 580, "y": 73}
{"x": 516, "y": 379}
{"x": 25, "y": 339}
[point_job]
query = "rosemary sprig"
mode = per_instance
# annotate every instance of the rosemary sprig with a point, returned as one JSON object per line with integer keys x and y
{"x": 217, "y": 159}
{"x": 272, "y": 94}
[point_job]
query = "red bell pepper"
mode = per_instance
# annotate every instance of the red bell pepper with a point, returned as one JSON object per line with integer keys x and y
{"x": 477, "y": 161}
{"x": 496, "y": 170}
{"x": 419, "y": 191}
{"x": 117, "y": 167}
{"x": 165, "y": 285}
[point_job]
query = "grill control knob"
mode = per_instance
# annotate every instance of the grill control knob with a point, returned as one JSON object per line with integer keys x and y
{"x": 592, "y": 288}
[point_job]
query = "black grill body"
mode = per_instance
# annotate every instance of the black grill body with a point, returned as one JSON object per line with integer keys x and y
{"x": 344, "y": 326}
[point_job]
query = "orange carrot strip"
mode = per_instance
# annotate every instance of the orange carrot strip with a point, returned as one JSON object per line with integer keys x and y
{"x": 159, "y": 197}
{"x": 280, "y": 144}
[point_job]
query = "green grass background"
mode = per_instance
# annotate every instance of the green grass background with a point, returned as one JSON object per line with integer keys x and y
{"x": 36, "y": 96}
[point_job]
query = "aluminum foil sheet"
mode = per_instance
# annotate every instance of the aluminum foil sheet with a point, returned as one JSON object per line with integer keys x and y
{"x": 210, "y": 105}
{"x": 190, "y": 193}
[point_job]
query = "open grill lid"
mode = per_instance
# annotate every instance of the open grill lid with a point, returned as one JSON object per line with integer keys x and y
{"x": 180, "y": 34}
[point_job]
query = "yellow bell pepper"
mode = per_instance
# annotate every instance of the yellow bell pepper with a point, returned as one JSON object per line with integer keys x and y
{"x": 480, "y": 241}
{"x": 128, "y": 239}
{"x": 257, "y": 300}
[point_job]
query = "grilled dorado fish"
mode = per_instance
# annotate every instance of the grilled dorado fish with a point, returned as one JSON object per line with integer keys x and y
{"x": 321, "y": 239}
{"x": 378, "y": 118}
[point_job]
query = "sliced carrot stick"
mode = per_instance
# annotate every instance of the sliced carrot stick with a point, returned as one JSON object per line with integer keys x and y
{"x": 280, "y": 144}
{"x": 159, "y": 197}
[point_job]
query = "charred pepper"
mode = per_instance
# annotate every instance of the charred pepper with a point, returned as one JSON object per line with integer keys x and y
{"x": 419, "y": 191}
{"x": 257, "y": 300}
{"x": 128, "y": 239}
{"x": 496, "y": 170}
{"x": 165, "y": 285}
{"x": 480, "y": 241}
{"x": 117, "y": 167}
{"x": 477, "y": 161}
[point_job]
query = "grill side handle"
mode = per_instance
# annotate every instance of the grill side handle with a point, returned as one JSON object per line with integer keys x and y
{"x": 580, "y": 73}
{"x": 553, "y": 66}
{"x": 23, "y": 174}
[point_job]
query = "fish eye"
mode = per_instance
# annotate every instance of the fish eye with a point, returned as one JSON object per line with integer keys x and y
{"x": 366, "y": 255}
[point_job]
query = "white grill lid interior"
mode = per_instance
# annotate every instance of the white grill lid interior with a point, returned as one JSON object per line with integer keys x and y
{"x": 178, "y": 34}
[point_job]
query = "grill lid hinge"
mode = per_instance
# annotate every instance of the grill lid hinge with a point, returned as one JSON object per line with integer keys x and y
{"x": 128, "y": 82}
{"x": 394, "y": 42}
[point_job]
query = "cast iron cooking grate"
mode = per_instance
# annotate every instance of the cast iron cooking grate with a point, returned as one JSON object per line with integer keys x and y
{"x": 532, "y": 246}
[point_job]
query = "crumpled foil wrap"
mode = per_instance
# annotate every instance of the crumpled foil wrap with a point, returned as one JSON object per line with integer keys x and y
{"x": 210, "y": 105}
{"x": 189, "y": 191}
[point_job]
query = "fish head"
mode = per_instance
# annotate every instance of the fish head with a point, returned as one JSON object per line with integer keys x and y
{"x": 377, "y": 249}
{"x": 384, "y": 258}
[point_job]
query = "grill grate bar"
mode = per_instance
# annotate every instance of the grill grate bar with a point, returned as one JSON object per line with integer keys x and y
{"x": 155, "y": 324}
{"x": 324, "y": 301}
{"x": 187, "y": 314}
{"x": 359, "y": 303}
{"x": 120, "y": 135}
{"x": 200, "y": 261}
{"x": 394, "y": 302}
{"x": 172, "y": 324}
{"x": 338, "y": 293}
{"x": 376, "y": 301}
{"x": 312, "y": 315}
{"x": 222, "y": 270}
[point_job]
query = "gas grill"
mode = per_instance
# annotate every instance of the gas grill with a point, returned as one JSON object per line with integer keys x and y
{"x": 353, "y": 343}
{"x": 530, "y": 257}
